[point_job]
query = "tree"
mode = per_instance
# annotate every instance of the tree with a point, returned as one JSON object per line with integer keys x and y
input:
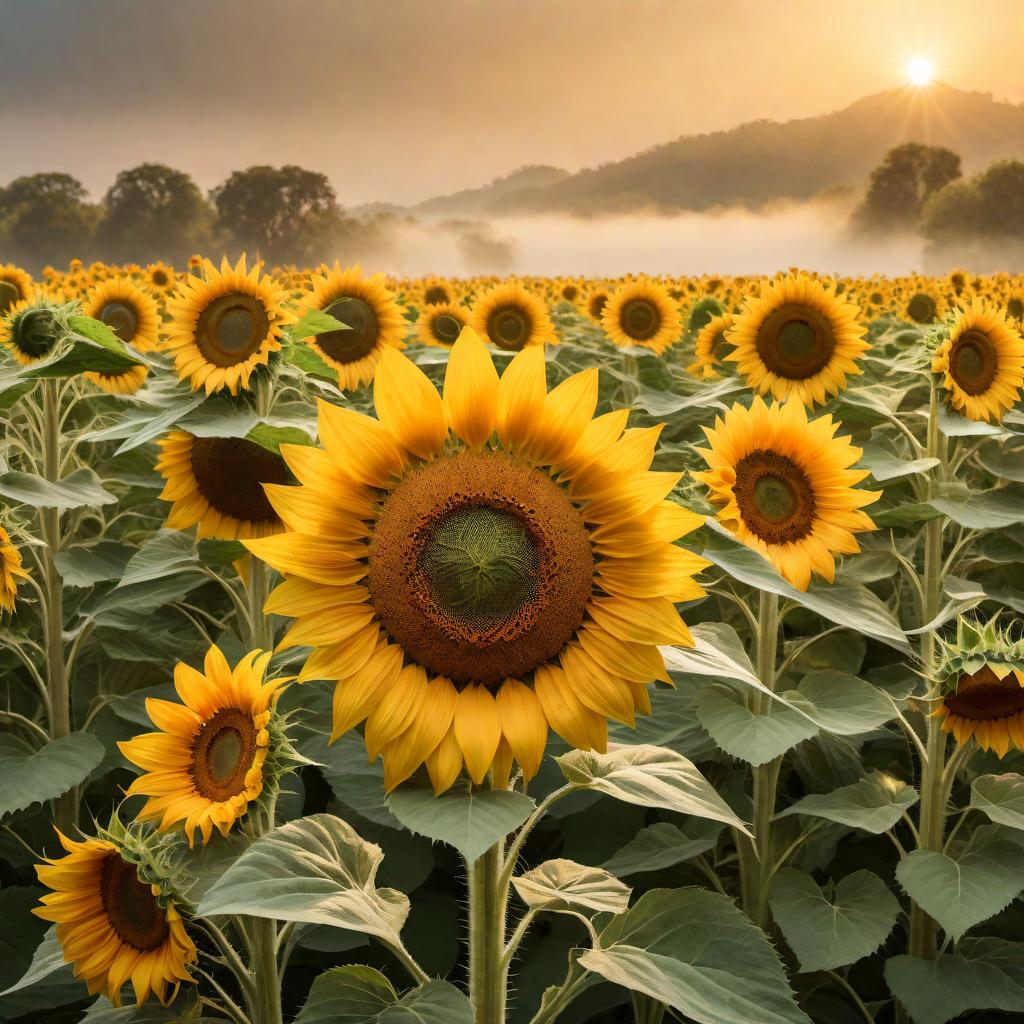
{"x": 46, "y": 218}
{"x": 285, "y": 214}
{"x": 153, "y": 212}
{"x": 901, "y": 184}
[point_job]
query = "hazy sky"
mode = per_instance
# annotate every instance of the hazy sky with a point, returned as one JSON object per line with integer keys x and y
{"x": 403, "y": 99}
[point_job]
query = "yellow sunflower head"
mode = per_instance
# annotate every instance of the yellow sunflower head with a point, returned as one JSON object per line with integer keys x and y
{"x": 209, "y": 760}
{"x": 642, "y": 313}
{"x": 1015, "y": 305}
{"x": 436, "y": 291}
{"x": 12, "y": 572}
{"x": 31, "y": 329}
{"x": 924, "y": 306}
{"x": 127, "y": 310}
{"x": 710, "y": 347}
{"x": 441, "y": 325}
{"x": 512, "y": 318}
{"x": 596, "y": 300}
{"x": 160, "y": 278}
{"x": 115, "y": 921}
{"x": 797, "y": 337}
{"x": 477, "y": 568}
{"x": 783, "y": 486}
{"x": 218, "y": 483}
{"x": 225, "y": 324}
{"x": 372, "y": 318}
{"x": 15, "y": 286}
{"x": 127, "y": 382}
{"x": 982, "y": 363}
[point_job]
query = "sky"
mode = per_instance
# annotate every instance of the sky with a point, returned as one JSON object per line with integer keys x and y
{"x": 399, "y": 100}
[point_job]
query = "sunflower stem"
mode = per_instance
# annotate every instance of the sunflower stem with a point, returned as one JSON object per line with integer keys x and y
{"x": 488, "y": 905}
{"x": 263, "y": 966}
{"x": 262, "y": 629}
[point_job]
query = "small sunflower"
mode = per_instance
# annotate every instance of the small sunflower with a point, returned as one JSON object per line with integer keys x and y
{"x": 374, "y": 322}
{"x": 127, "y": 310}
{"x": 441, "y": 325}
{"x": 114, "y": 925}
{"x": 797, "y": 337}
{"x": 217, "y": 482}
{"x": 160, "y": 278}
{"x": 31, "y": 329}
{"x": 207, "y": 763}
{"x": 511, "y": 318}
{"x": 982, "y": 362}
{"x": 436, "y": 291}
{"x": 924, "y": 306}
{"x": 595, "y": 302}
{"x": 125, "y": 383}
{"x": 783, "y": 486}
{"x": 11, "y": 572}
{"x": 710, "y": 347}
{"x": 642, "y": 313}
{"x": 225, "y": 324}
{"x": 15, "y": 286}
{"x": 1015, "y": 305}
{"x": 476, "y": 569}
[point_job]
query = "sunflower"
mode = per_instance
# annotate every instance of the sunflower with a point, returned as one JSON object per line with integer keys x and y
{"x": 924, "y": 306}
{"x": 1015, "y": 305}
{"x": 114, "y": 925}
{"x": 511, "y": 318}
{"x": 475, "y": 569}
{"x": 710, "y": 346}
{"x": 127, "y": 310}
{"x": 207, "y": 763}
{"x": 988, "y": 705}
{"x": 642, "y": 313}
{"x": 15, "y": 286}
{"x": 31, "y": 330}
{"x": 11, "y": 571}
{"x": 595, "y": 302}
{"x": 441, "y": 325}
{"x": 797, "y": 337}
{"x": 436, "y": 291}
{"x": 127, "y": 382}
{"x": 217, "y": 482}
{"x": 160, "y": 278}
{"x": 783, "y": 486}
{"x": 374, "y": 322}
{"x": 225, "y": 324}
{"x": 982, "y": 362}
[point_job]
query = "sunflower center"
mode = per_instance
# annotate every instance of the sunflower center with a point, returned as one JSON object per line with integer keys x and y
{"x": 35, "y": 333}
{"x": 435, "y": 295}
{"x": 130, "y": 906}
{"x": 1015, "y": 308}
{"x": 974, "y": 362}
{"x": 121, "y": 318}
{"x": 597, "y": 304}
{"x": 223, "y": 753}
{"x": 570, "y": 291}
{"x": 480, "y": 567}
{"x": 640, "y": 319}
{"x": 509, "y": 328}
{"x": 795, "y": 341}
{"x": 9, "y": 295}
{"x": 232, "y": 328}
{"x": 230, "y": 473}
{"x": 774, "y": 497}
{"x": 159, "y": 278}
{"x": 922, "y": 308}
{"x": 446, "y": 328}
{"x": 347, "y": 346}
{"x": 983, "y": 696}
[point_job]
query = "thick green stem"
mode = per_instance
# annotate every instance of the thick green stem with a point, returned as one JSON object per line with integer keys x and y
{"x": 262, "y": 634}
{"x": 647, "y": 1010}
{"x": 265, "y": 1007}
{"x": 488, "y": 904}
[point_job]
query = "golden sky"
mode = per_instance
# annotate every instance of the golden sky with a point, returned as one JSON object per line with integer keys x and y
{"x": 403, "y": 99}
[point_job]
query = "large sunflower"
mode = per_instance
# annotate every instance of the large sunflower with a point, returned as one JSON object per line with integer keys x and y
{"x": 710, "y": 347}
{"x": 441, "y": 325}
{"x": 512, "y": 318}
{"x": 374, "y": 323}
{"x": 11, "y": 571}
{"x": 15, "y": 286}
{"x": 642, "y": 313}
{"x": 112, "y": 925}
{"x": 982, "y": 362}
{"x": 476, "y": 569}
{"x": 207, "y": 763}
{"x": 225, "y": 324}
{"x": 783, "y": 486}
{"x": 127, "y": 310}
{"x": 217, "y": 482}
{"x": 797, "y": 337}
{"x": 127, "y": 382}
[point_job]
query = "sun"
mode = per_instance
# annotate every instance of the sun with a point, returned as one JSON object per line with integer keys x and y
{"x": 920, "y": 72}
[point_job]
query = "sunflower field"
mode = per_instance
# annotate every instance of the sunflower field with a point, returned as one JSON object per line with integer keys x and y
{"x": 462, "y": 651}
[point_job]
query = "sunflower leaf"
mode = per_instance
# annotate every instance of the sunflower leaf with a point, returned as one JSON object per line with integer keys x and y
{"x": 1001, "y": 797}
{"x": 46, "y": 961}
{"x": 77, "y": 490}
{"x": 664, "y": 845}
{"x": 565, "y": 886}
{"x": 842, "y": 704}
{"x": 34, "y": 776}
{"x": 873, "y": 804}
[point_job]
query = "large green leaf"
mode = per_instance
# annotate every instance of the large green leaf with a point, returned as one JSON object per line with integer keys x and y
{"x": 1001, "y": 797}
{"x": 832, "y": 928}
{"x": 77, "y": 490}
{"x": 564, "y": 885}
{"x": 986, "y": 510}
{"x": 86, "y": 566}
{"x": 361, "y": 995}
{"x": 47, "y": 960}
{"x": 664, "y": 845}
{"x": 316, "y": 870}
{"x": 717, "y": 651}
{"x": 650, "y": 777}
{"x": 873, "y": 804}
{"x": 471, "y": 822}
{"x": 842, "y": 704}
{"x": 694, "y": 951}
{"x": 33, "y": 776}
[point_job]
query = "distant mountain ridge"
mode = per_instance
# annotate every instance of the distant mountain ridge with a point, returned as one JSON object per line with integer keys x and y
{"x": 757, "y": 162}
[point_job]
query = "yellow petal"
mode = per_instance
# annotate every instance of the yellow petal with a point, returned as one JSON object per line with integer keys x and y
{"x": 397, "y": 708}
{"x": 409, "y": 405}
{"x": 523, "y": 724}
{"x": 405, "y": 754}
{"x": 445, "y": 763}
{"x": 471, "y": 390}
{"x": 478, "y": 730}
{"x": 521, "y": 394}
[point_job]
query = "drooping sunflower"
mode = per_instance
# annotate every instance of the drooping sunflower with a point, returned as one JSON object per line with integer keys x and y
{"x": 125, "y": 383}
{"x": 512, "y": 318}
{"x": 112, "y": 924}
{"x": 217, "y": 482}
{"x": 797, "y": 337}
{"x": 207, "y": 763}
{"x": 441, "y": 325}
{"x": 642, "y": 313}
{"x": 31, "y": 329}
{"x": 225, "y": 324}
{"x": 127, "y": 310}
{"x": 160, "y": 278}
{"x": 477, "y": 569}
{"x": 710, "y": 347}
{"x": 11, "y": 572}
{"x": 15, "y": 286}
{"x": 982, "y": 363}
{"x": 783, "y": 486}
{"x": 374, "y": 322}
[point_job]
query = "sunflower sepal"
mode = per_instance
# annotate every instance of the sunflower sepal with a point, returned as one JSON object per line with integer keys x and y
{"x": 977, "y": 646}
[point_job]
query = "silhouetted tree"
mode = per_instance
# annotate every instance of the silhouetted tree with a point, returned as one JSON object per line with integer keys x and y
{"x": 153, "y": 212}
{"x": 989, "y": 205}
